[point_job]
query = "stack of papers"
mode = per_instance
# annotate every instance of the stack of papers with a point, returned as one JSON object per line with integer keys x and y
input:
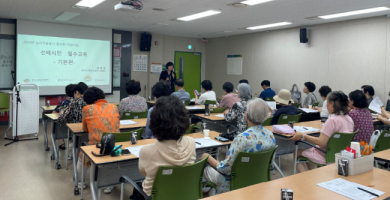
{"x": 193, "y": 107}
{"x": 192, "y": 100}
{"x": 202, "y": 142}
{"x": 135, "y": 150}
{"x": 304, "y": 129}
{"x": 376, "y": 105}
{"x": 128, "y": 122}
{"x": 220, "y": 115}
{"x": 307, "y": 110}
{"x": 350, "y": 189}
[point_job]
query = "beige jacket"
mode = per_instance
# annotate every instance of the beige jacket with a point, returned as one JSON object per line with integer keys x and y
{"x": 165, "y": 153}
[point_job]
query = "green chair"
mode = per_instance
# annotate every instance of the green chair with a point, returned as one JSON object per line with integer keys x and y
{"x": 217, "y": 110}
{"x": 212, "y": 102}
{"x": 336, "y": 143}
{"x": 186, "y": 102}
{"x": 268, "y": 121}
{"x": 126, "y": 136}
{"x": 269, "y": 99}
{"x": 284, "y": 119}
{"x": 250, "y": 168}
{"x": 4, "y": 102}
{"x": 371, "y": 111}
{"x": 383, "y": 142}
{"x": 134, "y": 115}
{"x": 173, "y": 182}
{"x": 296, "y": 105}
{"x": 190, "y": 129}
{"x": 315, "y": 104}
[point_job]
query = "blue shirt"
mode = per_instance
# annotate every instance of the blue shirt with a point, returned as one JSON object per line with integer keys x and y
{"x": 148, "y": 132}
{"x": 287, "y": 110}
{"x": 182, "y": 95}
{"x": 267, "y": 93}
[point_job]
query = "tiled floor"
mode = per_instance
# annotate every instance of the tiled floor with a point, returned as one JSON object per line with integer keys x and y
{"x": 26, "y": 172}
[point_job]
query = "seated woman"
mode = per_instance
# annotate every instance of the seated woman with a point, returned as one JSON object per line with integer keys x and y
{"x": 324, "y": 91}
{"x": 384, "y": 116}
{"x": 248, "y": 141}
{"x": 229, "y": 98}
{"x": 284, "y": 100}
{"x": 168, "y": 122}
{"x": 65, "y": 103}
{"x": 340, "y": 122}
{"x": 98, "y": 117}
{"x": 133, "y": 103}
{"x": 238, "y": 110}
{"x": 207, "y": 94}
{"x": 360, "y": 115}
{"x": 311, "y": 97}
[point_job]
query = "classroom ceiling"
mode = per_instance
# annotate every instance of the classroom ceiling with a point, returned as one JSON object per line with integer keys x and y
{"x": 231, "y": 21}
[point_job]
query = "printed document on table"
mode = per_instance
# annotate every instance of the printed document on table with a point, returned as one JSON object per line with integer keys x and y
{"x": 193, "y": 107}
{"x": 376, "y": 105}
{"x": 206, "y": 142}
{"x": 307, "y": 110}
{"x": 220, "y": 115}
{"x": 135, "y": 150}
{"x": 304, "y": 129}
{"x": 350, "y": 189}
{"x": 128, "y": 122}
{"x": 271, "y": 104}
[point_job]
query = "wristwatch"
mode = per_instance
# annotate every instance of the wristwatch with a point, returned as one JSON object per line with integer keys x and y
{"x": 303, "y": 137}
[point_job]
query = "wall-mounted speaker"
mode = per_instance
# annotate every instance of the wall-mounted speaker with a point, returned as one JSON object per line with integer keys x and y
{"x": 146, "y": 42}
{"x": 303, "y": 35}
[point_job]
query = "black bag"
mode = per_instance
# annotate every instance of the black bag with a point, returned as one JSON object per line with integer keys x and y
{"x": 107, "y": 144}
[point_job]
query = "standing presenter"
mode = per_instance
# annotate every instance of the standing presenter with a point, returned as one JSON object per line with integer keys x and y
{"x": 169, "y": 75}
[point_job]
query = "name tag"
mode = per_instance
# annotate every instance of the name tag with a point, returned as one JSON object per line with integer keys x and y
{"x": 136, "y": 117}
{"x": 167, "y": 172}
{"x": 127, "y": 114}
{"x": 336, "y": 136}
{"x": 245, "y": 159}
{"x": 284, "y": 117}
{"x": 387, "y": 135}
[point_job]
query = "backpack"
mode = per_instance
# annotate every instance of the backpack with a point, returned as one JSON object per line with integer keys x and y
{"x": 295, "y": 94}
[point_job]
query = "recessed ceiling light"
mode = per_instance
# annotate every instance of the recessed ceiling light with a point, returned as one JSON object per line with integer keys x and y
{"x": 357, "y": 12}
{"x": 65, "y": 16}
{"x": 268, "y": 25}
{"x": 254, "y": 2}
{"x": 89, "y": 3}
{"x": 199, "y": 15}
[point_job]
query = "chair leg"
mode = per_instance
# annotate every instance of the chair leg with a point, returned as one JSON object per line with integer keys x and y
{"x": 279, "y": 161}
{"x": 122, "y": 188}
{"x": 376, "y": 164}
{"x": 295, "y": 159}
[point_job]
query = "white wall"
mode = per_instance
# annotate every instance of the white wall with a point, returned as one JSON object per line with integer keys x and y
{"x": 343, "y": 55}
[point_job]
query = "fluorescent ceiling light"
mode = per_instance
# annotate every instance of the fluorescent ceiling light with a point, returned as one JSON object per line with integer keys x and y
{"x": 65, "y": 16}
{"x": 254, "y": 2}
{"x": 89, "y": 3}
{"x": 268, "y": 25}
{"x": 357, "y": 12}
{"x": 199, "y": 15}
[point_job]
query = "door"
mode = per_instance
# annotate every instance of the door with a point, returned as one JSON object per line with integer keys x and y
{"x": 187, "y": 67}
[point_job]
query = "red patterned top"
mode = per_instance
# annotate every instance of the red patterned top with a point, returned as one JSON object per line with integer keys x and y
{"x": 133, "y": 103}
{"x": 362, "y": 119}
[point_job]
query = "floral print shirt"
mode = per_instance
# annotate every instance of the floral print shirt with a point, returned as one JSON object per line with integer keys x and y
{"x": 73, "y": 113}
{"x": 255, "y": 139}
{"x": 63, "y": 104}
{"x": 362, "y": 120}
{"x": 133, "y": 103}
{"x": 238, "y": 113}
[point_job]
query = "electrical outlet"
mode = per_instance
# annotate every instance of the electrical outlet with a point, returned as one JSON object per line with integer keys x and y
{"x": 2, "y": 113}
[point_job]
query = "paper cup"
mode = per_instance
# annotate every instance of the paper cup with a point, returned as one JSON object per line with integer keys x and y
{"x": 356, "y": 147}
{"x": 206, "y": 133}
{"x": 310, "y": 106}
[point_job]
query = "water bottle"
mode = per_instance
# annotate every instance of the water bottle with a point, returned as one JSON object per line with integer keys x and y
{"x": 206, "y": 110}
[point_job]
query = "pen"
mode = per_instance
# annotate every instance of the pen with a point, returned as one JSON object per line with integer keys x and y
{"x": 305, "y": 128}
{"x": 368, "y": 192}
{"x": 198, "y": 143}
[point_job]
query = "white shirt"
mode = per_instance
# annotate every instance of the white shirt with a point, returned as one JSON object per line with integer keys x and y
{"x": 325, "y": 112}
{"x": 210, "y": 95}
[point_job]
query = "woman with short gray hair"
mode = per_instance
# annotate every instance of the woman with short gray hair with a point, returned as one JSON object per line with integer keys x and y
{"x": 238, "y": 110}
{"x": 255, "y": 139}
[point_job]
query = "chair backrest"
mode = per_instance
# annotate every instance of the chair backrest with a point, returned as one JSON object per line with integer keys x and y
{"x": 336, "y": 143}
{"x": 269, "y": 99}
{"x": 135, "y": 115}
{"x": 284, "y": 119}
{"x": 296, "y": 105}
{"x": 126, "y": 136}
{"x": 179, "y": 182}
{"x": 4, "y": 101}
{"x": 251, "y": 168}
{"x": 268, "y": 121}
{"x": 190, "y": 129}
{"x": 371, "y": 111}
{"x": 383, "y": 142}
{"x": 217, "y": 110}
{"x": 186, "y": 102}
{"x": 315, "y": 104}
{"x": 212, "y": 102}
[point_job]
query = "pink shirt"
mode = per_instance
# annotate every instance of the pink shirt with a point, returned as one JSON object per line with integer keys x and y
{"x": 337, "y": 123}
{"x": 229, "y": 100}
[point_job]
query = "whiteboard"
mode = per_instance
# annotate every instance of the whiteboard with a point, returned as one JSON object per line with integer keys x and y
{"x": 234, "y": 65}
{"x": 7, "y": 62}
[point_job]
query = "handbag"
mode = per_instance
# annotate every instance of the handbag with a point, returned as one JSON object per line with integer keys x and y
{"x": 107, "y": 146}
{"x": 374, "y": 137}
{"x": 295, "y": 93}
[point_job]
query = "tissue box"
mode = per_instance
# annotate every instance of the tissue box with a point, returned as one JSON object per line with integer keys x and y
{"x": 287, "y": 194}
{"x": 358, "y": 165}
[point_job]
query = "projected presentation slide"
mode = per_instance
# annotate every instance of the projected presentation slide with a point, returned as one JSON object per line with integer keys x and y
{"x": 58, "y": 61}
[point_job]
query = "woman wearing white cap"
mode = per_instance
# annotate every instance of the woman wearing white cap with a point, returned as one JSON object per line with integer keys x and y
{"x": 284, "y": 99}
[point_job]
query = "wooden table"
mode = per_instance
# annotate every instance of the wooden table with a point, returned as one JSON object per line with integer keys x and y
{"x": 304, "y": 185}
{"x": 383, "y": 156}
{"x": 46, "y": 110}
{"x": 108, "y": 160}
{"x": 212, "y": 117}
